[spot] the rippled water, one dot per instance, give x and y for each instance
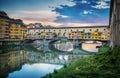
(41, 59)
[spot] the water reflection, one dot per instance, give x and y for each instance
(30, 62)
(64, 46)
(36, 70)
(91, 46)
(68, 46)
(11, 61)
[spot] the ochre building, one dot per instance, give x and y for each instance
(90, 32)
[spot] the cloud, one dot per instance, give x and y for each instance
(63, 16)
(39, 14)
(85, 2)
(87, 12)
(64, 12)
(84, 14)
(42, 16)
(42, 21)
(31, 12)
(101, 5)
(58, 3)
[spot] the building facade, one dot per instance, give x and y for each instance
(4, 25)
(11, 29)
(91, 32)
(115, 23)
(18, 31)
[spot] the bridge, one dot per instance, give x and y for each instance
(59, 38)
(50, 40)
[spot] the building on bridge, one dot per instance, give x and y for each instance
(115, 23)
(91, 32)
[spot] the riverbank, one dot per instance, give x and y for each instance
(104, 64)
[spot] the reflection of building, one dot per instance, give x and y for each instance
(91, 32)
(115, 23)
(11, 61)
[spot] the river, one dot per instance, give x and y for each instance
(41, 58)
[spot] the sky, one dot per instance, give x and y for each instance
(59, 13)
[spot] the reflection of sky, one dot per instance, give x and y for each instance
(34, 70)
(64, 46)
(90, 47)
(61, 57)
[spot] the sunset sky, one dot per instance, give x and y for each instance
(59, 12)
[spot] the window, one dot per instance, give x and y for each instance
(97, 29)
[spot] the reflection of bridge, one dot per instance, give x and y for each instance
(58, 38)
(51, 58)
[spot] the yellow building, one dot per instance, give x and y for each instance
(4, 26)
(11, 29)
(96, 35)
(82, 34)
(43, 34)
(24, 32)
(17, 30)
(70, 36)
(73, 34)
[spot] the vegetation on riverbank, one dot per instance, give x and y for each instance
(104, 64)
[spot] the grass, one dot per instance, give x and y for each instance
(66, 70)
(104, 64)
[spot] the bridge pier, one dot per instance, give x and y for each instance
(80, 45)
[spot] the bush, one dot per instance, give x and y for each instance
(65, 66)
(55, 71)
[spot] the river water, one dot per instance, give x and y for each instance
(41, 58)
